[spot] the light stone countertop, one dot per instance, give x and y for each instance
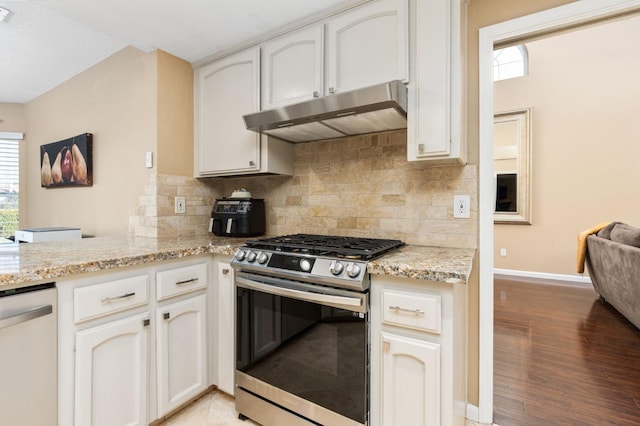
(450, 265)
(33, 263)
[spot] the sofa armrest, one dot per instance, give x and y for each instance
(614, 269)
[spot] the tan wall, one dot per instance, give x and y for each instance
(175, 116)
(482, 13)
(585, 142)
(116, 101)
(12, 118)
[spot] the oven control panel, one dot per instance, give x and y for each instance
(328, 267)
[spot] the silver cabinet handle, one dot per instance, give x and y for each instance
(411, 311)
(114, 298)
(25, 316)
(190, 280)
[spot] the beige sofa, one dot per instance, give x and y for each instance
(613, 261)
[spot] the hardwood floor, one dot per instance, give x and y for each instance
(562, 357)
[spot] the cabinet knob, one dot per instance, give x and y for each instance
(225, 271)
(166, 315)
(332, 90)
(316, 94)
(146, 322)
(421, 147)
(252, 163)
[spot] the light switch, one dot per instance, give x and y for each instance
(149, 159)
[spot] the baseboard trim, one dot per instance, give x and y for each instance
(473, 412)
(572, 280)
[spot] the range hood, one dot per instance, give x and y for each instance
(371, 109)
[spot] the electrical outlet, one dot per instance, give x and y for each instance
(503, 252)
(461, 206)
(181, 205)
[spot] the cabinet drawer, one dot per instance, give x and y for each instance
(181, 280)
(112, 296)
(412, 310)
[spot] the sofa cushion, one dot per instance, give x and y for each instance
(606, 231)
(625, 234)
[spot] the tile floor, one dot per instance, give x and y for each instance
(217, 409)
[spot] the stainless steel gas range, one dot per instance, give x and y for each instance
(302, 329)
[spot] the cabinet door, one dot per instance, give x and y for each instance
(227, 89)
(111, 373)
(367, 45)
(292, 67)
(410, 381)
(435, 92)
(181, 352)
(226, 330)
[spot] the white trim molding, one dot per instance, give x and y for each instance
(564, 279)
(537, 24)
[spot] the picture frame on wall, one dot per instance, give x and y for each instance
(68, 162)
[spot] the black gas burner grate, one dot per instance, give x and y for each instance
(323, 245)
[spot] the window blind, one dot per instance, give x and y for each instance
(9, 186)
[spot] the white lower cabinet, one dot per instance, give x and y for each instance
(410, 381)
(418, 352)
(181, 352)
(111, 373)
(133, 344)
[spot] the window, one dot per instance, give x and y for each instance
(9, 182)
(510, 62)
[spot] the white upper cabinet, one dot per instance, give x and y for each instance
(435, 107)
(367, 45)
(227, 89)
(292, 67)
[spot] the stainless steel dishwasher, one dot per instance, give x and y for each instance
(28, 356)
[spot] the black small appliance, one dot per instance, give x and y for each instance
(238, 217)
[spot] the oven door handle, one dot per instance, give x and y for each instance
(299, 294)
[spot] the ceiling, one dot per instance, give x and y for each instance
(45, 42)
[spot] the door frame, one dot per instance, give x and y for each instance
(537, 24)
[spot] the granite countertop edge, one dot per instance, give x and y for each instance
(25, 264)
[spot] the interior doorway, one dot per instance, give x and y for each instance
(549, 21)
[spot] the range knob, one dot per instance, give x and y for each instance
(240, 254)
(251, 256)
(305, 265)
(262, 258)
(336, 267)
(353, 270)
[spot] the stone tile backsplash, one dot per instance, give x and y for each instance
(364, 186)
(359, 186)
(155, 214)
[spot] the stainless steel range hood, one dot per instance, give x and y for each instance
(371, 109)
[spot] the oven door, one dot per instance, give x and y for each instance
(302, 347)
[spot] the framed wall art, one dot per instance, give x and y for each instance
(68, 162)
